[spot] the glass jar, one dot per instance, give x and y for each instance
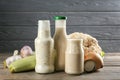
(74, 56)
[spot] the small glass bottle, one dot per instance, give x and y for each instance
(74, 56)
(60, 39)
(44, 46)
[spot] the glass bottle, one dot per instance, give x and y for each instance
(60, 38)
(44, 46)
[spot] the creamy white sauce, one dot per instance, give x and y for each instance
(60, 46)
(74, 57)
(44, 49)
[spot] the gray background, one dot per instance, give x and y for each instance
(99, 18)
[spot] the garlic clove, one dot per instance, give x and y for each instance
(11, 59)
(15, 52)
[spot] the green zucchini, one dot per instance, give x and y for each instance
(24, 64)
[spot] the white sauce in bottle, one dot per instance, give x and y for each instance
(60, 39)
(74, 57)
(44, 46)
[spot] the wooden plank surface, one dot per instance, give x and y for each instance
(111, 71)
(14, 37)
(18, 28)
(30, 32)
(58, 5)
(74, 18)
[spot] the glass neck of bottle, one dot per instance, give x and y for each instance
(60, 24)
(44, 31)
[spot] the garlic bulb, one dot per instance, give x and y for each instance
(11, 59)
(26, 51)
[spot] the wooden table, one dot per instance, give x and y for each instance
(111, 71)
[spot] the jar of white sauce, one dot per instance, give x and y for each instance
(74, 56)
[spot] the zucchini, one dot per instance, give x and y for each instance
(24, 64)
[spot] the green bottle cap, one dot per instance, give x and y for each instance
(60, 17)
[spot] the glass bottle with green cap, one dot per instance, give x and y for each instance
(60, 40)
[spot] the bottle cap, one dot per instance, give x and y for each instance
(60, 17)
